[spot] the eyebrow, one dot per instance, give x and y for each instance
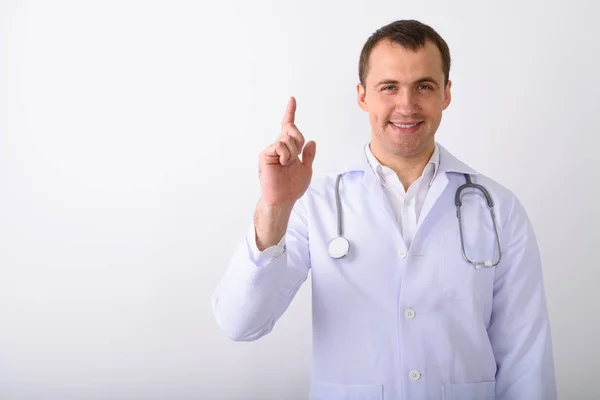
(420, 80)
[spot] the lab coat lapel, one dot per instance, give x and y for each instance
(374, 190)
(435, 191)
(448, 163)
(372, 185)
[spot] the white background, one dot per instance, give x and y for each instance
(130, 132)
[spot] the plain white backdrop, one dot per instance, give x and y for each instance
(129, 140)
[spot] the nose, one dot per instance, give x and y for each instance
(407, 102)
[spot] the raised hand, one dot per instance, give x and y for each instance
(284, 175)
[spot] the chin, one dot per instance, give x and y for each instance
(407, 148)
(402, 145)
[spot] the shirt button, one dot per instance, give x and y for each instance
(414, 375)
(409, 313)
(279, 250)
(402, 253)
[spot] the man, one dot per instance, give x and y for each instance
(423, 305)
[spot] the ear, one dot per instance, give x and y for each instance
(361, 97)
(447, 95)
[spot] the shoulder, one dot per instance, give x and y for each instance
(326, 182)
(321, 193)
(508, 209)
(323, 185)
(502, 196)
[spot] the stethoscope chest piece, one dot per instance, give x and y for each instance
(338, 247)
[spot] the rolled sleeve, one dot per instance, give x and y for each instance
(265, 257)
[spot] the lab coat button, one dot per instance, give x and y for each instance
(402, 253)
(415, 375)
(409, 313)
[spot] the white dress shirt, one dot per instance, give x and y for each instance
(406, 205)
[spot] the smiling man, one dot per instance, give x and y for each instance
(420, 290)
(404, 85)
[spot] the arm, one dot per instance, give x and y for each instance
(520, 329)
(262, 279)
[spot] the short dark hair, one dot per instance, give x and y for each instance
(411, 34)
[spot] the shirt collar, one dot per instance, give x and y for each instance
(358, 162)
(383, 173)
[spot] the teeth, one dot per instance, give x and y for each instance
(405, 126)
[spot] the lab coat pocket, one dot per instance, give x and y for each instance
(462, 281)
(332, 391)
(470, 391)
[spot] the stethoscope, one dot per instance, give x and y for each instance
(339, 246)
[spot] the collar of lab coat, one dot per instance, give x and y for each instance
(448, 163)
(382, 171)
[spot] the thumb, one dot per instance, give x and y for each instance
(308, 153)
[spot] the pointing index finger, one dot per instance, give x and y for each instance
(290, 112)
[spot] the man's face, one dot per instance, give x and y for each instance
(404, 88)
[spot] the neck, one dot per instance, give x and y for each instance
(408, 169)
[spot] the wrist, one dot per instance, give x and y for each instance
(275, 210)
(270, 223)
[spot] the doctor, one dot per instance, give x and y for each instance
(415, 307)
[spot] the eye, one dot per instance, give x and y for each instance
(388, 88)
(425, 87)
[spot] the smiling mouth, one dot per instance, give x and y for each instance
(405, 126)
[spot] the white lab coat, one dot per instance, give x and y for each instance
(391, 323)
